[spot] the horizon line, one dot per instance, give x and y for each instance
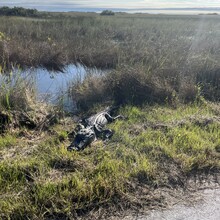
(98, 9)
(170, 8)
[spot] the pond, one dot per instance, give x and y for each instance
(52, 87)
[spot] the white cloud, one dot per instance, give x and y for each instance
(112, 3)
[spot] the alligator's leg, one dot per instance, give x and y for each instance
(73, 134)
(79, 126)
(79, 145)
(110, 118)
(107, 134)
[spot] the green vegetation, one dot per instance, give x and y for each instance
(176, 61)
(18, 11)
(162, 76)
(107, 12)
(156, 146)
(16, 93)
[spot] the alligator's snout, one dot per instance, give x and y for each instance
(83, 138)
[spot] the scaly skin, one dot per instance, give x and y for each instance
(91, 128)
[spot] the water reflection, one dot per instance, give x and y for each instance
(52, 86)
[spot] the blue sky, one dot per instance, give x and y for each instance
(129, 4)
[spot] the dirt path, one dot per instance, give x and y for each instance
(206, 208)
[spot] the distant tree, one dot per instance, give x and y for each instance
(18, 11)
(107, 12)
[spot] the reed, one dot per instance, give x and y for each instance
(153, 42)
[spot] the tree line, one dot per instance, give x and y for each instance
(18, 11)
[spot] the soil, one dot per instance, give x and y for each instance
(200, 201)
(207, 208)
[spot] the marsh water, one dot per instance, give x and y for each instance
(52, 87)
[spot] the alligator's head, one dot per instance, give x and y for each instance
(83, 138)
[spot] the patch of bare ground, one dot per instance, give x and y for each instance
(199, 196)
(142, 200)
(143, 196)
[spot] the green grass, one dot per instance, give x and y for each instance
(7, 141)
(155, 146)
(16, 92)
(152, 61)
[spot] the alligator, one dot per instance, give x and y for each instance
(89, 129)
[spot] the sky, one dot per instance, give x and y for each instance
(51, 5)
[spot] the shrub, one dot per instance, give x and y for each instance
(107, 12)
(136, 86)
(130, 86)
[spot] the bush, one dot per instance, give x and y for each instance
(107, 12)
(18, 11)
(131, 86)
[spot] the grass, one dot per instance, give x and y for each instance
(151, 44)
(156, 146)
(16, 92)
(7, 141)
(161, 75)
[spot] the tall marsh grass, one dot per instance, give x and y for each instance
(16, 92)
(187, 45)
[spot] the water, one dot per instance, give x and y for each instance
(50, 84)
(52, 87)
(175, 12)
(167, 11)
